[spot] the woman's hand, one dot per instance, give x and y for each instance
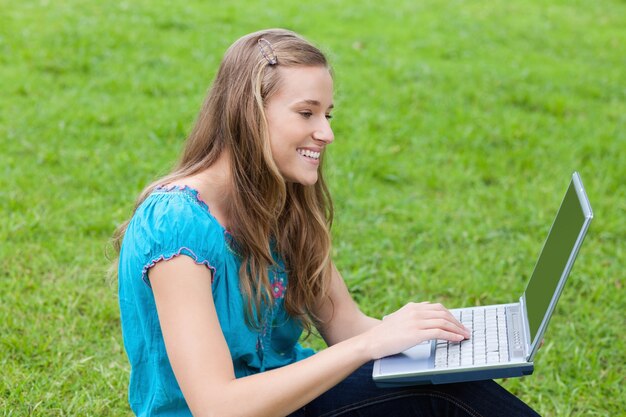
(413, 324)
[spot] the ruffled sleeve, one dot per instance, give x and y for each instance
(170, 224)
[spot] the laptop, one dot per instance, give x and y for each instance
(505, 337)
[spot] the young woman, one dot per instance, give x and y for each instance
(227, 259)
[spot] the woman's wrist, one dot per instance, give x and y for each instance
(363, 346)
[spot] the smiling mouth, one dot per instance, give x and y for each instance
(309, 154)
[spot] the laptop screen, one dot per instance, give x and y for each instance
(557, 256)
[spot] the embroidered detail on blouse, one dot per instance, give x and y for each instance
(278, 288)
(186, 251)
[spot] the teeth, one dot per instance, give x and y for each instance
(309, 154)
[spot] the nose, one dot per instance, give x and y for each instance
(324, 132)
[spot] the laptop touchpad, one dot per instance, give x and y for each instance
(413, 359)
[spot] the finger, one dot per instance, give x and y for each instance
(439, 311)
(444, 324)
(458, 323)
(441, 334)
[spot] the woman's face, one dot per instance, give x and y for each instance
(298, 115)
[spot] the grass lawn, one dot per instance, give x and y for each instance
(458, 125)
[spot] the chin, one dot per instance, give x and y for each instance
(306, 181)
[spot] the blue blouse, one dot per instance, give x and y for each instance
(171, 222)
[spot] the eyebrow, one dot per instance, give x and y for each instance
(315, 103)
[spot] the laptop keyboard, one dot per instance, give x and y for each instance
(487, 345)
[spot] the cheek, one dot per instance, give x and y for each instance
(282, 141)
(280, 154)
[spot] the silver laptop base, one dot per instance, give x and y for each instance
(525, 368)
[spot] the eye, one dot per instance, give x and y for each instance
(329, 116)
(306, 114)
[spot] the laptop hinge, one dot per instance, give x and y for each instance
(526, 327)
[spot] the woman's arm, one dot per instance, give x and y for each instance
(203, 366)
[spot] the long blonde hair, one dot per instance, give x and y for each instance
(264, 209)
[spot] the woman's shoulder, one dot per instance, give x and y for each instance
(177, 206)
(171, 218)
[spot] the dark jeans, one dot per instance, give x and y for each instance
(358, 396)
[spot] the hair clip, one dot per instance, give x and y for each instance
(267, 51)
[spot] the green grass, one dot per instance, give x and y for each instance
(457, 127)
